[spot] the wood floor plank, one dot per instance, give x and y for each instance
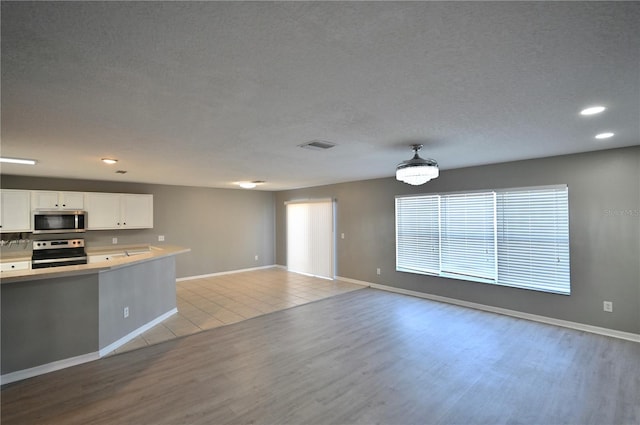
(365, 356)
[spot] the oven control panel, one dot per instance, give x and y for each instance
(60, 243)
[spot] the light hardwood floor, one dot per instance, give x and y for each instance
(362, 357)
(215, 301)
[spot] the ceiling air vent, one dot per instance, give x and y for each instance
(317, 145)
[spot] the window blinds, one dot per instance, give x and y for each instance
(310, 238)
(533, 239)
(512, 237)
(468, 235)
(418, 234)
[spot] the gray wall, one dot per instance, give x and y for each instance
(148, 289)
(605, 248)
(48, 320)
(225, 228)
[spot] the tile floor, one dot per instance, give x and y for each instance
(221, 300)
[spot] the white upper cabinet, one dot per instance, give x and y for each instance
(57, 200)
(15, 211)
(103, 210)
(136, 211)
(119, 211)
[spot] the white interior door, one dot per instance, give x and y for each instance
(310, 238)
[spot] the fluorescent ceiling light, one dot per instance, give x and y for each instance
(18, 161)
(109, 161)
(592, 110)
(604, 135)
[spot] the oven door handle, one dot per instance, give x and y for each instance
(58, 260)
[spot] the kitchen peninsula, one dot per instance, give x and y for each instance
(54, 318)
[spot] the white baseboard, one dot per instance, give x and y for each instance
(84, 358)
(224, 273)
(513, 313)
(49, 367)
(142, 329)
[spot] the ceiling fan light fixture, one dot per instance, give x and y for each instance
(417, 171)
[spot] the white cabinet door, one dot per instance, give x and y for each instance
(71, 200)
(118, 211)
(137, 211)
(15, 211)
(18, 265)
(101, 258)
(57, 200)
(44, 200)
(103, 210)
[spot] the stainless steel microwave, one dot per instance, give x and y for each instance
(56, 221)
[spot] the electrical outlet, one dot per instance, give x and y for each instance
(114, 240)
(607, 306)
(161, 238)
(378, 271)
(342, 235)
(126, 312)
(256, 258)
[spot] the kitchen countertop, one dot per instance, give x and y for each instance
(151, 252)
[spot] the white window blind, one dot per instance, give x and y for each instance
(468, 235)
(310, 238)
(418, 234)
(511, 237)
(533, 239)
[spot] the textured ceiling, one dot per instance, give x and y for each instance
(210, 93)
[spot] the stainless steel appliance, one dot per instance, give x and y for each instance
(57, 221)
(55, 253)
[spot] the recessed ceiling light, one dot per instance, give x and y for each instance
(19, 161)
(592, 110)
(109, 161)
(604, 135)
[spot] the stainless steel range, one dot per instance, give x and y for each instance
(60, 252)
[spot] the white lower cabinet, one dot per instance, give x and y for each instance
(108, 211)
(101, 258)
(18, 265)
